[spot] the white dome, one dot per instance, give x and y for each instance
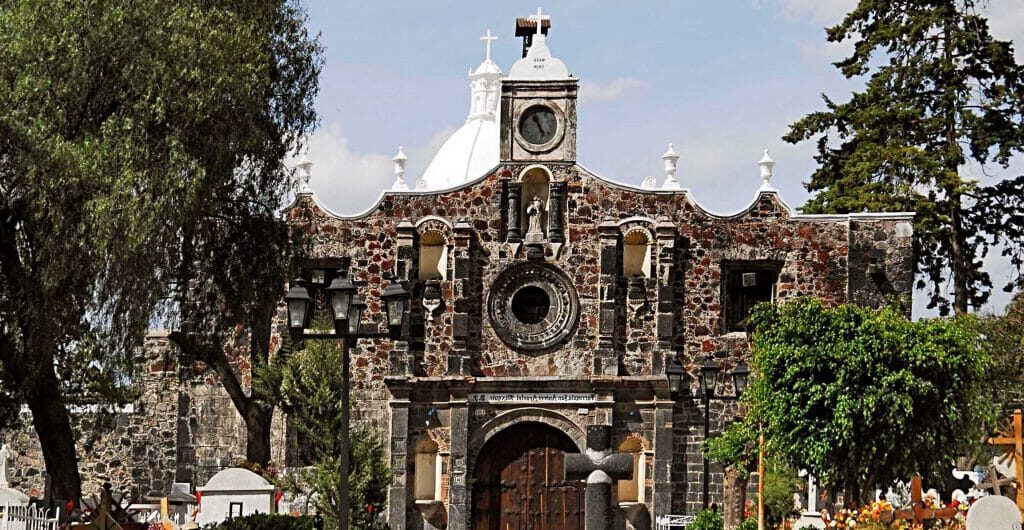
(473, 149)
(236, 479)
(466, 155)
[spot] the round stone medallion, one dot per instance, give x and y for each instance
(532, 306)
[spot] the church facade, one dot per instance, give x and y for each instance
(547, 307)
(531, 385)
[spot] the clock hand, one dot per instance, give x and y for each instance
(536, 119)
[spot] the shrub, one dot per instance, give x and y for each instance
(262, 521)
(707, 520)
(750, 523)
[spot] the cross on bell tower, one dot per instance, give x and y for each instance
(528, 27)
(488, 39)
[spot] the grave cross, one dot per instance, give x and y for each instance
(540, 18)
(1013, 440)
(995, 482)
(600, 468)
(917, 513)
(487, 39)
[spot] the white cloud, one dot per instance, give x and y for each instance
(591, 91)
(1006, 21)
(348, 181)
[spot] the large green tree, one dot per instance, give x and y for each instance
(124, 125)
(861, 397)
(1004, 340)
(942, 94)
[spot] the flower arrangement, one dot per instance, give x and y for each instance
(879, 515)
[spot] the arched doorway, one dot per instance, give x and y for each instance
(519, 481)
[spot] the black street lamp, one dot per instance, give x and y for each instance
(347, 312)
(707, 380)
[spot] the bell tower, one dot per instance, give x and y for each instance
(538, 105)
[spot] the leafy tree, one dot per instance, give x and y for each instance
(124, 125)
(862, 398)
(1004, 340)
(942, 93)
(308, 384)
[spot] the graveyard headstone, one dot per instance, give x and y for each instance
(8, 495)
(994, 512)
(234, 492)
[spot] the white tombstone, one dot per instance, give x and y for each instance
(994, 512)
(810, 516)
(8, 495)
(234, 492)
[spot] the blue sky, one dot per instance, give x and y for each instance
(720, 80)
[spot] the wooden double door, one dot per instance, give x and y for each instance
(519, 482)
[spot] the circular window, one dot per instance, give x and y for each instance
(532, 306)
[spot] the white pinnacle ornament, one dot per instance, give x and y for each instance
(767, 164)
(399, 161)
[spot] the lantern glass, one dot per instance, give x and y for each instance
(297, 313)
(297, 301)
(396, 310)
(341, 292)
(396, 300)
(355, 315)
(708, 376)
(674, 372)
(340, 303)
(740, 378)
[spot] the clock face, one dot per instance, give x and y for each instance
(538, 124)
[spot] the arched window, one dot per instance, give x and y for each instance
(427, 471)
(535, 186)
(632, 490)
(636, 254)
(433, 256)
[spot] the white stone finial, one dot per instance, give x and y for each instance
(767, 164)
(399, 161)
(540, 17)
(671, 158)
(487, 39)
(305, 167)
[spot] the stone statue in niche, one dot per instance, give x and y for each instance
(535, 228)
(5, 455)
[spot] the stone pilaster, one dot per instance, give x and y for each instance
(665, 312)
(663, 443)
(556, 212)
(513, 194)
(462, 287)
(605, 360)
(458, 489)
(398, 492)
(401, 362)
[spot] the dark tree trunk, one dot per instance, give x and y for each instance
(53, 426)
(735, 497)
(257, 433)
(960, 273)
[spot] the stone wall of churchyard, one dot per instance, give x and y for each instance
(182, 428)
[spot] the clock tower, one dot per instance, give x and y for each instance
(538, 105)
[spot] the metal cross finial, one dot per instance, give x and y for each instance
(487, 39)
(540, 17)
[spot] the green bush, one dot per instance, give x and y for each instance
(750, 523)
(707, 520)
(262, 521)
(780, 484)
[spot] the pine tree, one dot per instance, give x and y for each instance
(942, 93)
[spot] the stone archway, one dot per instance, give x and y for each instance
(519, 480)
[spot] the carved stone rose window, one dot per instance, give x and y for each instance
(532, 306)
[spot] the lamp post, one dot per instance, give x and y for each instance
(706, 382)
(346, 309)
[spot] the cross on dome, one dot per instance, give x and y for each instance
(540, 17)
(487, 39)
